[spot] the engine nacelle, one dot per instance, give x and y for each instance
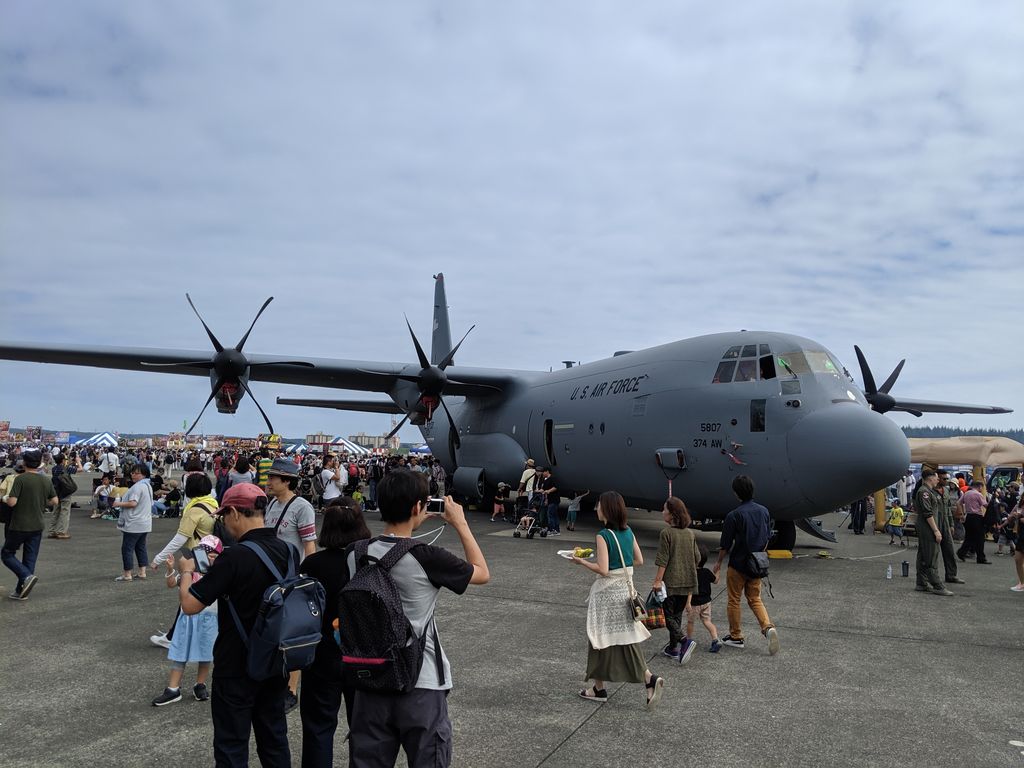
(469, 482)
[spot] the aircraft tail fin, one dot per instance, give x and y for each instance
(441, 337)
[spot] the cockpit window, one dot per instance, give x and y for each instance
(807, 361)
(746, 371)
(765, 350)
(749, 350)
(724, 373)
(767, 365)
(732, 352)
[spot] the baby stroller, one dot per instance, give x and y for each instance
(529, 522)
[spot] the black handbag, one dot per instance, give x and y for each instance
(757, 565)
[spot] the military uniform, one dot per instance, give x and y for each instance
(928, 504)
(949, 498)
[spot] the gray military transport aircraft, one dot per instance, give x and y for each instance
(685, 416)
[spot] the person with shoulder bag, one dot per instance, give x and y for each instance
(614, 630)
(745, 535)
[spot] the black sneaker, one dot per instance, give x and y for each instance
(201, 692)
(169, 696)
(291, 701)
(733, 643)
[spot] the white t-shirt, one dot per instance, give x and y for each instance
(529, 478)
(331, 488)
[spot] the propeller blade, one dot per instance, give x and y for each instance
(424, 360)
(257, 404)
(455, 432)
(303, 363)
(193, 364)
(892, 378)
(213, 393)
(216, 344)
(450, 357)
(916, 413)
(394, 431)
(865, 372)
(244, 338)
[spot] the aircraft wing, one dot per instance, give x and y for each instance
(362, 375)
(917, 407)
(362, 406)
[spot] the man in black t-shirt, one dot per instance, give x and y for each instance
(239, 703)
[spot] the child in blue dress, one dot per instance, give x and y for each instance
(194, 636)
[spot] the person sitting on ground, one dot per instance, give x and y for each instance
(102, 495)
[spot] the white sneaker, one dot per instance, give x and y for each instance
(773, 641)
(160, 640)
(1018, 588)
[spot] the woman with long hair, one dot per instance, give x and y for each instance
(677, 571)
(613, 635)
(323, 684)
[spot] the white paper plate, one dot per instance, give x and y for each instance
(567, 554)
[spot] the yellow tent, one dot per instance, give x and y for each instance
(974, 450)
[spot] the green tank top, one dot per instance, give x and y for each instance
(625, 541)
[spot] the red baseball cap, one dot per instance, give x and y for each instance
(241, 495)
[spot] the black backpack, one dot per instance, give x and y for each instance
(378, 645)
(64, 485)
(288, 623)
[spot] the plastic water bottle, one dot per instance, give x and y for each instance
(888, 572)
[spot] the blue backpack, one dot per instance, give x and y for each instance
(288, 624)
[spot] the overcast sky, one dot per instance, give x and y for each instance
(589, 177)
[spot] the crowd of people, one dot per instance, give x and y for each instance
(242, 519)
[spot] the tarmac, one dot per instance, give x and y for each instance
(871, 673)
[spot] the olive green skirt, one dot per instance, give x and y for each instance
(616, 664)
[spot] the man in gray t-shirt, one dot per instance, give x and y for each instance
(417, 721)
(291, 516)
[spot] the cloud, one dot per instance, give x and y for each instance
(588, 179)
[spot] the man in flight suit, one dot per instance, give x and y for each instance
(950, 495)
(930, 508)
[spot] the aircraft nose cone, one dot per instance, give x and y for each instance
(845, 452)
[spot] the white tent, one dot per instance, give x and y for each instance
(101, 439)
(349, 447)
(297, 448)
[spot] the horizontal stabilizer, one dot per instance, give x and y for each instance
(364, 406)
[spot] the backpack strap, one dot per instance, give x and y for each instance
(283, 513)
(398, 550)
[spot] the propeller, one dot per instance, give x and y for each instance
(431, 381)
(229, 365)
(879, 397)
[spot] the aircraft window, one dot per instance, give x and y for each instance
(750, 350)
(767, 367)
(791, 387)
(549, 447)
(747, 371)
(765, 349)
(724, 373)
(820, 362)
(731, 353)
(757, 415)
(793, 363)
